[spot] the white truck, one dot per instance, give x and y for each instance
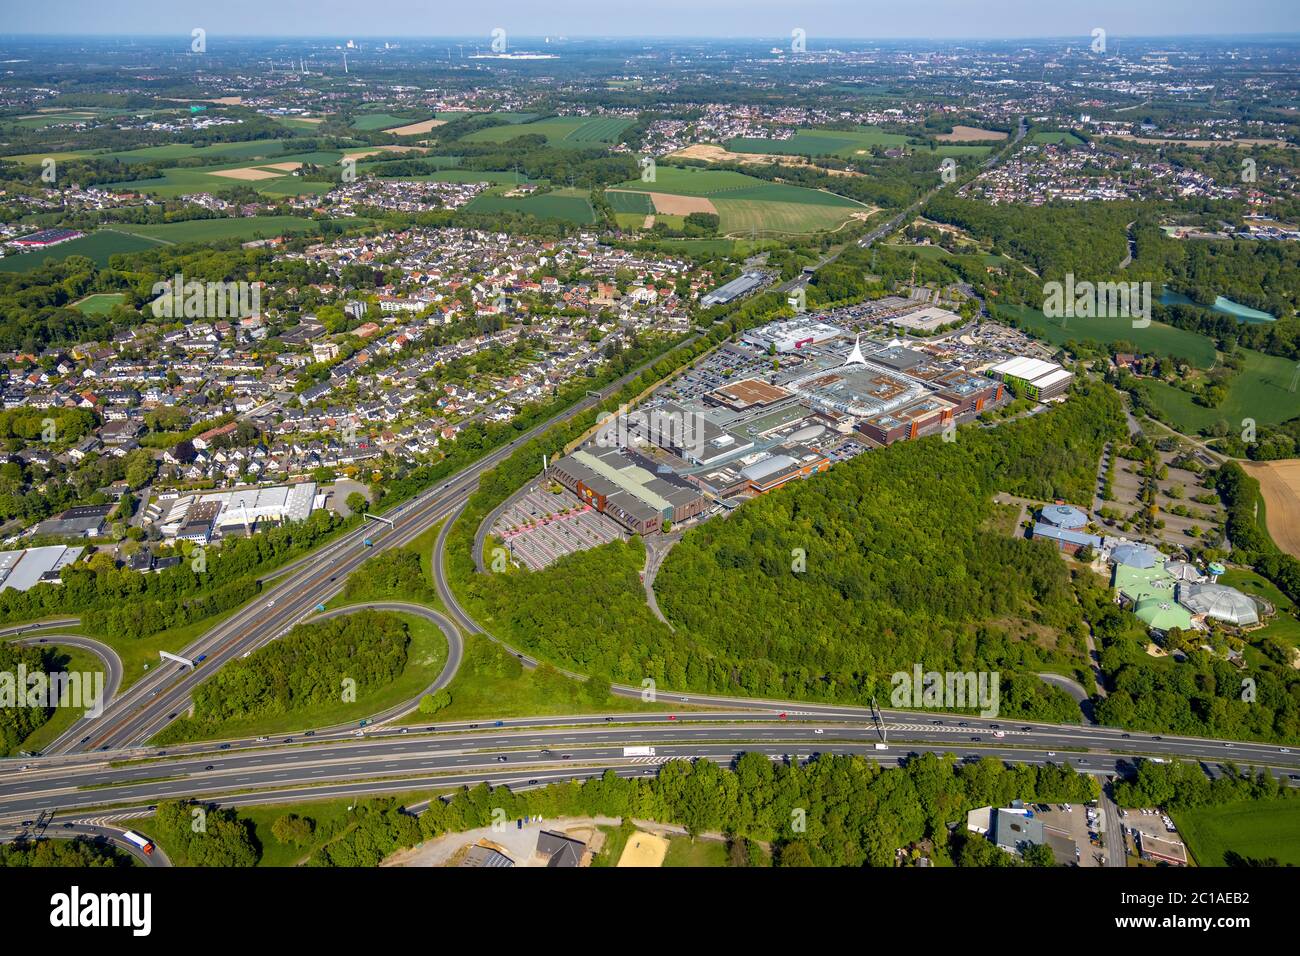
(882, 746)
(638, 751)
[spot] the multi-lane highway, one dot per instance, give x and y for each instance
(409, 758)
(160, 697)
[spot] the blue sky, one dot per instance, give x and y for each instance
(661, 18)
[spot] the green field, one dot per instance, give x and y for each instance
(467, 176)
(821, 142)
(368, 122)
(575, 131)
(100, 303)
(746, 204)
(1058, 137)
(572, 205)
(272, 149)
(1155, 339)
(208, 230)
(179, 181)
(1258, 829)
(638, 203)
(1261, 390)
(97, 247)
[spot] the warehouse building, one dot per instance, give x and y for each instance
(733, 290)
(1033, 378)
(791, 335)
(21, 570)
(624, 485)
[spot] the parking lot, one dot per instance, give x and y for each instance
(1081, 823)
(539, 527)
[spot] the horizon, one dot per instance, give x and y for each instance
(835, 20)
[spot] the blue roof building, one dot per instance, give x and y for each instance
(1064, 516)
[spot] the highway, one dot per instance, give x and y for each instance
(154, 701)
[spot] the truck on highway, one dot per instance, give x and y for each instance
(638, 751)
(882, 746)
(130, 836)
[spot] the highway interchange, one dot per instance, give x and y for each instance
(106, 763)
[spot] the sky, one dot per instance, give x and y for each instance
(937, 19)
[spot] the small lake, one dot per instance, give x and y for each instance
(1221, 305)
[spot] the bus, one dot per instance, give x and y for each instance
(134, 838)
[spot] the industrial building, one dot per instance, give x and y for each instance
(201, 517)
(1033, 378)
(24, 569)
(791, 335)
(927, 415)
(628, 487)
(730, 291)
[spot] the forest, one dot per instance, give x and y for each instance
(856, 812)
(312, 664)
(899, 569)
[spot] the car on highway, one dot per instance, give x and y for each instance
(404, 730)
(171, 716)
(499, 723)
(999, 733)
(1285, 750)
(224, 747)
(977, 739)
(502, 758)
(262, 739)
(1051, 753)
(609, 720)
(1125, 736)
(672, 716)
(532, 782)
(201, 658)
(208, 767)
(310, 733)
(647, 772)
(566, 756)
(270, 604)
(85, 740)
(288, 740)
(819, 731)
(938, 722)
(781, 715)
(67, 826)
(358, 733)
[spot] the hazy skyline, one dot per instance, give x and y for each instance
(824, 19)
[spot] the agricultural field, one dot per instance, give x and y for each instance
(821, 142)
(1262, 390)
(1057, 137)
(574, 131)
(744, 204)
(1257, 829)
(270, 149)
(272, 177)
(1279, 484)
(496, 177)
(572, 205)
(98, 247)
(1155, 339)
(209, 230)
(369, 122)
(99, 303)
(630, 202)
